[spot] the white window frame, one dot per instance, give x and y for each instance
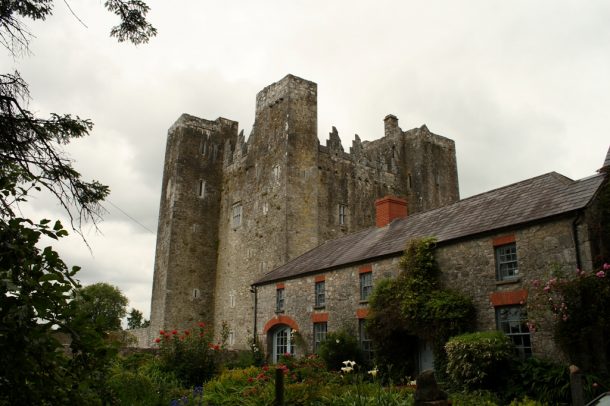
(507, 263)
(366, 285)
(280, 299)
(320, 293)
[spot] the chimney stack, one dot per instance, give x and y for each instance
(389, 208)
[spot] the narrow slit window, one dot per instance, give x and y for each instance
(201, 189)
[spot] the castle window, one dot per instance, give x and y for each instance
(512, 321)
(232, 299)
(276, 173)
(279, 300)
(366, 285)
(342, 214)
(506, 262)
(319, 335)
(365, 341)
(231, 338)
(201, 189)
(236, 214)
(196, 294)
(320, 294)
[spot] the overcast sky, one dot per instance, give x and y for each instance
(523, 87)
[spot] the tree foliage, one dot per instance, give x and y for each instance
(135, 319)
(37, 289)
(414, 307)
(102, 305)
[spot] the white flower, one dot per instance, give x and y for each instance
(337, 341)
(373, 372)
(347, 370)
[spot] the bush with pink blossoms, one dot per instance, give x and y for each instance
(579, 310)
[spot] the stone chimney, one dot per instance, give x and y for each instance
(390, 125)
(389, 208)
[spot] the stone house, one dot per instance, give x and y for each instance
(490, 247)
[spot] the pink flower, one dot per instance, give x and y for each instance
(606, 266)
(600, 274)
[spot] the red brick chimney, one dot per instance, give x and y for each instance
(388, 209)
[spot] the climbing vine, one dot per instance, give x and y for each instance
(415, 307)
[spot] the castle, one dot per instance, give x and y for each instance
(232, 209)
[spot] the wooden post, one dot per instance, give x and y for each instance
(578, 398)
(279, 387)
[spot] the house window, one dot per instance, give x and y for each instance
(365, 341)
(342, 214)
(320, 295)
(366, 285)
(279, 300)
(236, 214)
(319, 335)
(201, 189)
(512, 321)
(506, 262)
(231, 338)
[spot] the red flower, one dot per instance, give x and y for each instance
(250, 379)
(186, 332)
(157, 340)
(216, 347)
(162, 332)
(265, 367)
(174, 332)
(201, 324)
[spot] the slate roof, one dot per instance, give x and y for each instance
(533, 199)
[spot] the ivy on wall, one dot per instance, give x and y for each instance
(415, 307)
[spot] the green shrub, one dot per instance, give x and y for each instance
(190, 354)
(541, 380)
(474, 398)
(338, 347)
(479, 360)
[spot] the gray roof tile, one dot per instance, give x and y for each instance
(530, 200)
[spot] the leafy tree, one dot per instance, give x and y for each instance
(102, 305)
(135, 319)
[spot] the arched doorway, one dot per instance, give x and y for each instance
(281, 342)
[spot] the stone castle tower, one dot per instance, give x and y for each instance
(232, 210)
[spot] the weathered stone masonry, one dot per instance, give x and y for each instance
(234, 209)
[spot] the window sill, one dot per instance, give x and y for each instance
(365, 302)
(279, 311)
(321, 307)
(508, 281)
